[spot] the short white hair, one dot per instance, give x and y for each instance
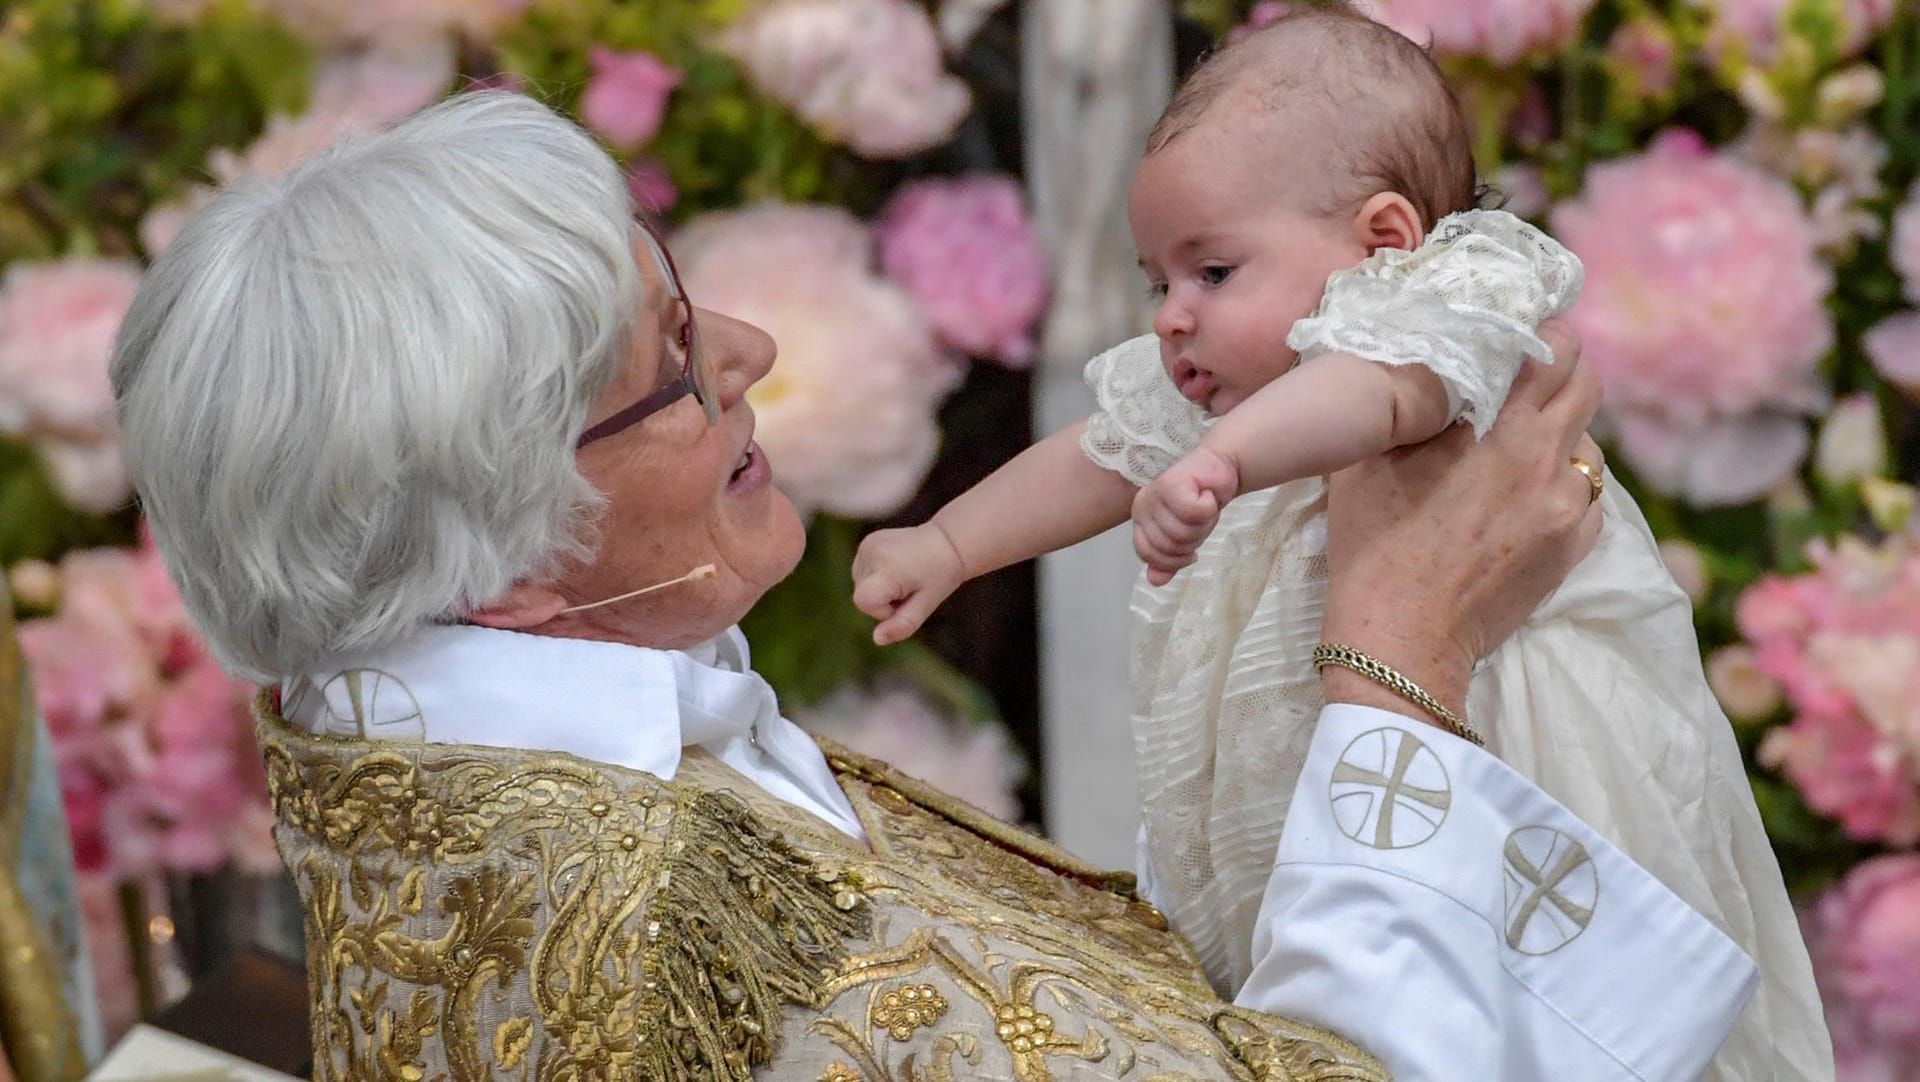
(350, 396)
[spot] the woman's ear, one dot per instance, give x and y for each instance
(1388, 220)
(522, 606)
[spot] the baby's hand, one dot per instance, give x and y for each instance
(1174, 514)
(901, 576)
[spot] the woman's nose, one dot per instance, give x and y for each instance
(740, 354)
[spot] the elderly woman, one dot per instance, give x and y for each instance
(438, 449)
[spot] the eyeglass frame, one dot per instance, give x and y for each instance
(687, 382)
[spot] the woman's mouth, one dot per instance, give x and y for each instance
(751, 472)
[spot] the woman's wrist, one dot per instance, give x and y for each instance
(1439, 668)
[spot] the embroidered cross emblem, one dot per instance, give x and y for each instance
(1552, 888)
(1389, 791)
(357, 702)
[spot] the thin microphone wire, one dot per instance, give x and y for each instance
(704, 571)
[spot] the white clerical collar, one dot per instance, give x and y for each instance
(628, 706)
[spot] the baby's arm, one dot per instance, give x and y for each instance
(1323, 416)
(1050, 496)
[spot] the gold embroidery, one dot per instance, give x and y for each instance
(684, 981)
(905, 1009)
(480, 913)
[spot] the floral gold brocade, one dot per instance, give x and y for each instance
(480, 913)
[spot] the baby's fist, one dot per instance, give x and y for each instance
(1174, 514)
(901, 576)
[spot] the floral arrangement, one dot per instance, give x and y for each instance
(1742, 180)
(832, 141)
(1741, 177)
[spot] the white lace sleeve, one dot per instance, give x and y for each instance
(1465, 304)
(1143, 424)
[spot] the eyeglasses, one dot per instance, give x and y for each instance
(680, 347)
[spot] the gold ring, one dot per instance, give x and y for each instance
(1595, 480)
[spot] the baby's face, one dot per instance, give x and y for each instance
(1231, 259)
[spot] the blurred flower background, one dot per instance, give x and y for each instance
(1742, 178)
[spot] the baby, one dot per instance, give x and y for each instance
(1327, 292)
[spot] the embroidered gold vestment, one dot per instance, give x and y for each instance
(482, 913)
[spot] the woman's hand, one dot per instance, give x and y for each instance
(1438, 552)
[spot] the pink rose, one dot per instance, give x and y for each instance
(1503, 31)
(1264, 14)
(966, 252)
(847, 415)
(1704, 314)
(626, 97)
(866, 73)
(650, 186)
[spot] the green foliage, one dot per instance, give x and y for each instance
(809, 640)
(106, 109)
(35, 523)
(724, 143)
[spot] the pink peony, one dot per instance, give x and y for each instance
(1503, 31)
(972, 761)
(57, 322)
(847, 414)
(1867, 935)
(1893, 345)
(1843, 644)
(1704, 314)
(626, 99)
(1905, 252)
(1751, 30)
(966, 252)
(866, 73)
(152, 740)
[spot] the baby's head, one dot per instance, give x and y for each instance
(1290, 154)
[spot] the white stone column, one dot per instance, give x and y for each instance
(1094, 74)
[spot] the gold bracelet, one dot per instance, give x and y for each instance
(1380, 673)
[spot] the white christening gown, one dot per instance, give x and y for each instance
(1599, 698)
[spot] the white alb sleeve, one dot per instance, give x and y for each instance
(1443, 913)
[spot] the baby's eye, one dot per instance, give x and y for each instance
(1214, 276)
(1156, 290)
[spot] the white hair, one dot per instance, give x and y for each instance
(350, 396)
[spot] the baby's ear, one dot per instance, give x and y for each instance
(1388, 220)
